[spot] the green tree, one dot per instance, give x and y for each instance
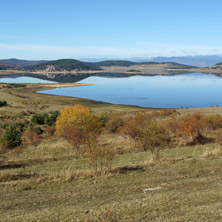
(11, 137)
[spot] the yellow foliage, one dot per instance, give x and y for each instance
(78, 125)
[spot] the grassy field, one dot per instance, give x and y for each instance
(49, 182)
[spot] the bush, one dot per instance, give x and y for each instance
(213, 122)
(219, 138)
(154, 138)
(3, 103)
(20, 126)
(11, 137)
(114, 123)
(32, 136)
(45, 118)
(104, 118)
(100, 158)
(188, 127)
(133, 126)
(78, 125)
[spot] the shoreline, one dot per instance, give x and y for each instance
(139, 70)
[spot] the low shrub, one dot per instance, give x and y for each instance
(134, 125)
(213, 122)
(113, 124)
(45, 118)
(11, 137)
(3, 103)
(32, 136)
(100, 158)
(154, 137)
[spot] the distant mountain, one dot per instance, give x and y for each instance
(200, 61)
(17, 63)
(62, 65)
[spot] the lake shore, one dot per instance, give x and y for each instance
(151, 69)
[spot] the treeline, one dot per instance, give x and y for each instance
(2, 67)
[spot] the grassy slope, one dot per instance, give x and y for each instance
(191, 188)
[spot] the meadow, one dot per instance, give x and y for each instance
(45, 179)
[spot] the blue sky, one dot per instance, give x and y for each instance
(53, 29)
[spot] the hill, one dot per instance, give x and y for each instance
(62, 65)
(174, 65)
(127, 63)
(76, 65)
(115, 63)
(200, 61)
(219, 64)
(17, 63)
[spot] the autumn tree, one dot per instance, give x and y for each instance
(78, 125)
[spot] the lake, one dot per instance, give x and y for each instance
(22, 79)
(191, 90)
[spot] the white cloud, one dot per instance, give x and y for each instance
(140, 49)
(161, 49)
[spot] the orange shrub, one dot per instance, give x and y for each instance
(133, 126)
(191, 125)
(188, 127)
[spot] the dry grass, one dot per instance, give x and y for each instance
(216, 151)
(66, 190)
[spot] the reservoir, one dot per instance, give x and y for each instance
(192, 90)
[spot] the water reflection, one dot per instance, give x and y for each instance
(187, 90)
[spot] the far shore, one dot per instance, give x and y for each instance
(130, 70)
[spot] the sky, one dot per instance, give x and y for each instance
(55, 29)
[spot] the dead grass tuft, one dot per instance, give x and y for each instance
(217, 151)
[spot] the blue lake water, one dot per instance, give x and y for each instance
(22, 79)
(191, 90)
